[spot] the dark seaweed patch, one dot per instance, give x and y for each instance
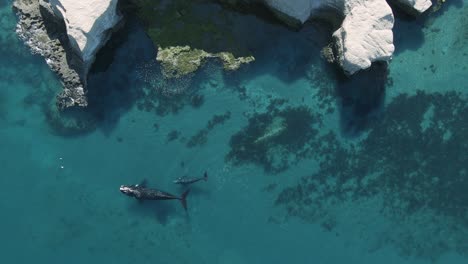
(275, 139)
(201, 137)
(173, 135)
(417, 156)
(197, 100)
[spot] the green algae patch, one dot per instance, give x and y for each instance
(180, 61)
(189, 32)
(232, 63)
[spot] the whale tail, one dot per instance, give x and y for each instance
(205, 176)
(183, 199)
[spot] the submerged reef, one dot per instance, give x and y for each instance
(7, 36)
(414, 162)
(201, 137)
(70, 121)
(164, 96)
(173, 135)
(276, 139)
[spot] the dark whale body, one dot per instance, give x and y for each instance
(141, 193)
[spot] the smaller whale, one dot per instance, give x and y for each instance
(187, 180)
(141, 193)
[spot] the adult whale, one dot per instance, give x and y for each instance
(141, 193)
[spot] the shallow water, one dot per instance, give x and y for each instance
(368, 170)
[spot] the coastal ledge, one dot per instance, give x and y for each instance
(365, 32)
(46, 36)
(70, 33)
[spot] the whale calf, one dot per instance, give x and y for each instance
(187, 180)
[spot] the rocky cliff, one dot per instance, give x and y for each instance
(89, 24)
(365, 33)
(69, 33)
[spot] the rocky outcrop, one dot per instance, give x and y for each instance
(68, 34)
(179, 61)
(89, 24)
(45, 35)
(414, 6)
(365, 32)
(365, 35)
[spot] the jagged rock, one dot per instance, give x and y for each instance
(45, 35)
(365, 35)
(68, 34)
(414, 6)
(327, 53)
(89, 24)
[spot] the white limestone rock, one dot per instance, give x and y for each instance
(415, 6)
(365, 35)
(89, 24)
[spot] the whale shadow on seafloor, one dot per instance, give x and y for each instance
(161, 211)
(196, 189)
(361, 98)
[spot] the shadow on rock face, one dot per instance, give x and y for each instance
(407, 31)
(361, 98)
(113, 86)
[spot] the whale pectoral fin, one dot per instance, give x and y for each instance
(143, 183)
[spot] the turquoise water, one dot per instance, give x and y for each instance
(368, 170)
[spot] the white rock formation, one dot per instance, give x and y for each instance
(366, 33)
(419, 6)
(88, 24)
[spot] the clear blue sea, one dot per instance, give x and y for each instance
(304, 165)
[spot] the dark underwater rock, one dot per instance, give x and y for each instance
(46, 36)
(71, 121)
